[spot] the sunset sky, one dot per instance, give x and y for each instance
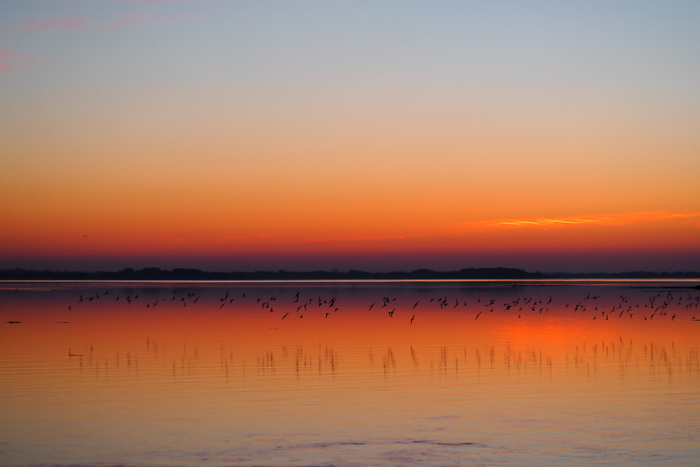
(240, 135)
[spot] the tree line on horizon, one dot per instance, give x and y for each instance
(155, 273)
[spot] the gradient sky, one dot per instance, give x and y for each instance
(366, 134)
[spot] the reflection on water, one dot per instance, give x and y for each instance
(391, 373)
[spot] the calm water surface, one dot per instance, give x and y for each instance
(457, 373)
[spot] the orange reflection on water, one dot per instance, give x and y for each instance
(197, 369)
(110, 338)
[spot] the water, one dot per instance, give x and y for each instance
(199, 374)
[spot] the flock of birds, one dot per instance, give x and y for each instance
(656, 305)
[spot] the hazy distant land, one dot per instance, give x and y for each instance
(418, 274)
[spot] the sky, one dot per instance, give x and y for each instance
(375, 135)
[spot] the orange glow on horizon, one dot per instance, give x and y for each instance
(102, 236)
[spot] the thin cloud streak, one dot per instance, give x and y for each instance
(473, 227)
(62, 23)
(81, 23)
(607, 219)
(10, 60)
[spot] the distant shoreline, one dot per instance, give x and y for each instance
(183, 274)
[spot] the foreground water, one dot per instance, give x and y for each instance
(454, 373)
